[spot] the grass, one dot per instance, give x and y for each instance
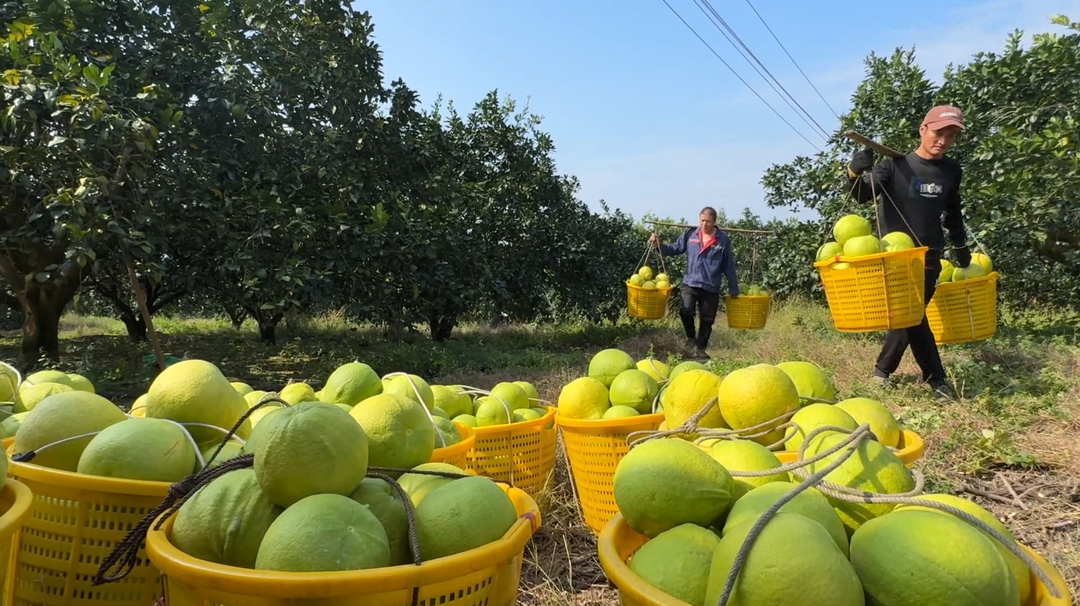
(1013, 432)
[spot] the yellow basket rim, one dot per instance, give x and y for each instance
(81, 481)
(911, 252)
(630, 584)
(728, 297)
(173, 562)
(22, 501)
(454, 450)
(607, 423)
(910, 449)
(484, 432)
(660, 290)
(947, 286)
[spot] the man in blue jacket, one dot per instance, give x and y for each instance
(708, 258)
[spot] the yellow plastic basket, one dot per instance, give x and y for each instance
(77, 520)
(910, 449)
(595, 448)
(747, 311)
(16, 503)
(964, 311)
(618, 543)
(647, 303)
(456, 454)
(519, 454)
(485, 576)
(875, 292)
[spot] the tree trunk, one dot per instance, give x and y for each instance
(441, 327)
(267, 324)
(136, 327)
(41, 327)
(237, 315)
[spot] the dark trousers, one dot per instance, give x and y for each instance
(694, 299)
(920, 337)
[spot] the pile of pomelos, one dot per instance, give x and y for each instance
(645, 278)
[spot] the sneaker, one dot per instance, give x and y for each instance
(942, 390)
(882, 379)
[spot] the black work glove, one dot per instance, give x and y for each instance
(963, 257)
(862, 161)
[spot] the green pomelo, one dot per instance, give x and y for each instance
(687, 394)
(7, 385)
(984, 260)
(514, 396)
(80, 383)
(453, 402)
(491, 411)
(634, 388)
(468, 420)
(11, 424)
(1019, 569)
(809, 503)
(881, 421)
(828, 251)
(295, 393)
(412, 387)
(324, 533)
(241, 387)
(793, 561)
(685, 366)
(677, 562)
(813, 416)
(231, 450)
(261, 412)
(463, 515)
(419, 485)
(744, 455)
(31, 395)
(195, 391)
(437, 412)
(620, 412)
(48, 376)
(753, 395)
(973, 270)
(543, 412)
(950, 561)
(344, 407)
(862, 246)
(445, 429)
(399, 432)
(351, 384)
(140, 449)
(809, 379)
(584, 398)
(850, 226)
(872, 468)
(61, 416)
(667, 482)
(896, 241)
(527, 414)
(654, 368)
(311, 448)
(253, 397)
(385, 502)
(530, 391)
(608, 363)
(224, 522)
(946, 272)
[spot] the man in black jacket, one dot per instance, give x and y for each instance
(919, 194)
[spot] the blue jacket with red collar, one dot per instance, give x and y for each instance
(704, 267)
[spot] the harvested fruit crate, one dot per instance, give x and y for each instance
(875, 292)
(749, 312)
(519, 454)
(647, 303)
(485, 576)
(456, 454)
(16, 503)
(964, 311)
(595, 448)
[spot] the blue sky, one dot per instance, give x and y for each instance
(641, 112)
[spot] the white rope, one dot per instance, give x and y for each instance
(420, 399)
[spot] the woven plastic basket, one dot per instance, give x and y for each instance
(618, 543)
(875, 292)
(456, 454)
(595, 448)
(747, 311)
(77, 520)
(964, 311)
(519, 454)
(485, 576)
(16, 503)
(647, 303)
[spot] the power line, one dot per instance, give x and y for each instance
(690, 27)
(731, 30)
(701, 6)
(822, 97)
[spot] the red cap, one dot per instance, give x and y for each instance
(944, 115)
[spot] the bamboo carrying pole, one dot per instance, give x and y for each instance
(729, 229)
